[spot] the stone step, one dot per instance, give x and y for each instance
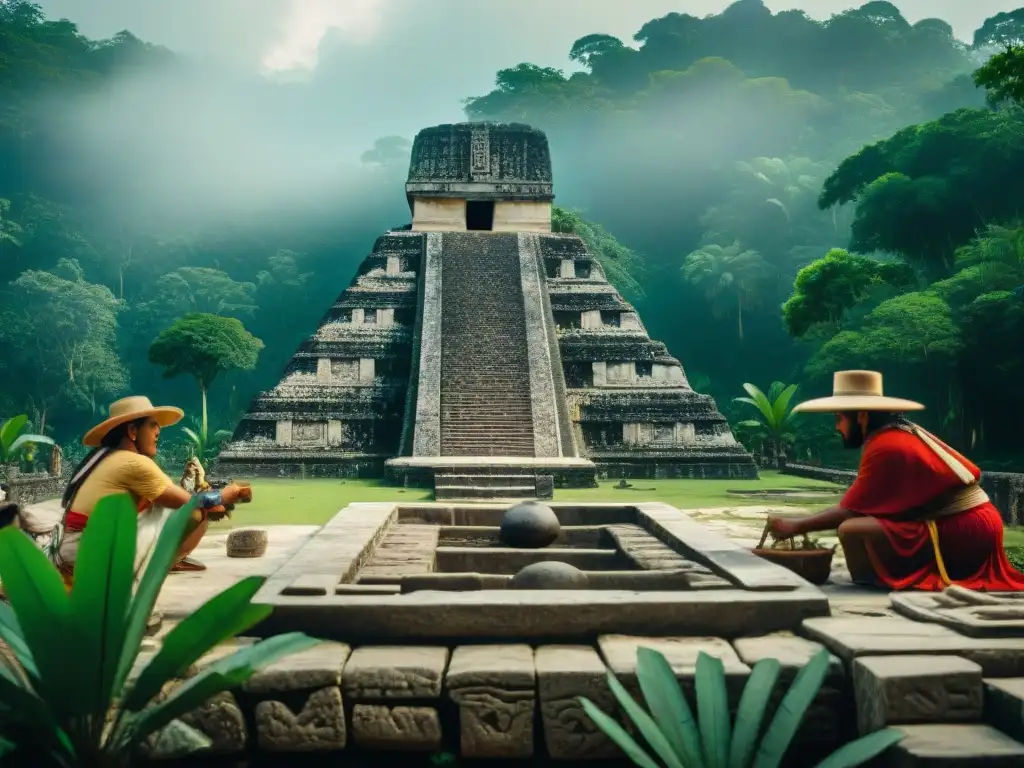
(1004, 705)
(949, 744)
(448, 492)
(492, 480)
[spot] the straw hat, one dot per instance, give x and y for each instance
(857, 391)
(129, 409)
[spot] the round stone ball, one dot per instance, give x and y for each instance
(550, 576)
(529, 525)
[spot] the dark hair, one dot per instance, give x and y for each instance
(878, 419)
(109, 443)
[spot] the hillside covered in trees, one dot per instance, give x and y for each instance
(780, 196)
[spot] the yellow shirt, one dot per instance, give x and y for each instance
(120, 472)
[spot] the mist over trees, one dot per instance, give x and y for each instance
(780, 196)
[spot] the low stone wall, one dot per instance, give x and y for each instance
(25, 489)
(654, 468)
(1006, 489)
(511, 701)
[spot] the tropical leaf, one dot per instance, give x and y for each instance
(618, 734)
(792, 710)
(9, 431)
(751, 712)
(647, 727)
(219, 676)
(37, 595)
(10, 633)
(780, 405)
(101, 596)
(713, 710)
(220, 618)
(22, 440)
(760, 402)
(665, 700)
(862, 750)
(149, 587)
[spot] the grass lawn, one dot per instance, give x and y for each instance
(314, 502)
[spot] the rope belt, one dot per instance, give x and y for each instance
(961, 500)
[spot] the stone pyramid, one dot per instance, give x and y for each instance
(480, 352)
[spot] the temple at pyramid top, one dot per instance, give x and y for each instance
(479, 352)
(480, 177)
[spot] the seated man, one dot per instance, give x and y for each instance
(122, 462)
(915, 517)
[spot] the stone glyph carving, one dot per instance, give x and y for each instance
(318, 727)
(376, 726)
(493, 687)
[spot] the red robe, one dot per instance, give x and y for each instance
(899, 472)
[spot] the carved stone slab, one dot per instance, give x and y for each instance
(376, 726)
(318, 727)
(493, 686)
(317, 667)
(998, 616)
(395, 672)
(892, 690)
(563, 673)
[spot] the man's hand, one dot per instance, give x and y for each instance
(232, 494)
(783, 527)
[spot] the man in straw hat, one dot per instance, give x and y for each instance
(121, 461)
(915, 517)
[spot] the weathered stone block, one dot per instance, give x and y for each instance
(563, 673)
(792, 652)
(315, 668)
(915, 689)
(318, 727)
(220, 718)
(850, 637)
(395, 672)
(954, 746)
(396, 728)
(1004, 705)
(619, 653)
(493, 686)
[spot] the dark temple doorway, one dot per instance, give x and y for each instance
(480, 215)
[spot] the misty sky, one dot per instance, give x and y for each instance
(398, 65)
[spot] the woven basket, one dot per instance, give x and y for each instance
(814, 565)
(247, 542)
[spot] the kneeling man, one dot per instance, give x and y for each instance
(915, 517)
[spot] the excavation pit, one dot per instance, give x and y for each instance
(384, 572)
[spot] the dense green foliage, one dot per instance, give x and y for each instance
(712, 738)
(96, 713)
(736, 164)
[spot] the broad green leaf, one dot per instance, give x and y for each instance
(760, 402)
(219, 676)
(22, 440)
(152, 580)
(9, 431)
(222, 617)
(780, 406)
(713, 710)
(792, 710)
(618, 734)
(751, 424)
(101, 596)
(10, 633)
(647, 727)
(668, 706)
(862, 750)
(751, 712)
(37, 595)
(192, 436)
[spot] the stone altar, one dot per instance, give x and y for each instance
(481, 353)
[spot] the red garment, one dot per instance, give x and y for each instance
(899, 472)
(75, 521)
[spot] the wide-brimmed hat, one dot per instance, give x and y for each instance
(129, 409)
(857, 391)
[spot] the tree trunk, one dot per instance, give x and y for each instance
(202, 388)
(739, 314)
